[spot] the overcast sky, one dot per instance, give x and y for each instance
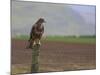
(61, 19)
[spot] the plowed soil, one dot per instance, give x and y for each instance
(56, 56)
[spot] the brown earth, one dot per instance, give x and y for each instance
(55, 56)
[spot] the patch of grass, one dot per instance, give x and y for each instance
(86, 40)
(21, 37)
(20, 69)
(66, 39)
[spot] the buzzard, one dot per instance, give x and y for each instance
(36, 33)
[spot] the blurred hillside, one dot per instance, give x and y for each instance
(61, 19)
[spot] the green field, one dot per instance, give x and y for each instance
(66, 39)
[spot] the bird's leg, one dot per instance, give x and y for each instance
(38, 41)
(34, 43)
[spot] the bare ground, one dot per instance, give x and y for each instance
(54, 56)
